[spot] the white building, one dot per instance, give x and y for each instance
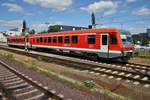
(14, 32)
(3, 38)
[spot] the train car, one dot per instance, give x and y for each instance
(93, 43)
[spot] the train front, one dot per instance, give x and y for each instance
(127, 44)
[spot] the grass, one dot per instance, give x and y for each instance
(144, 54)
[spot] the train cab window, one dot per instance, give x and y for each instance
(45, 40)
(67, 39)
(60, 39)
(104, 40)
(49, 39)
(74, 39)
(91, 39)
(41, 39)
(54, 39)
(113, 39)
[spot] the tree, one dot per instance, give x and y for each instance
(145, 42)
(32, 31)
(5, 34)
(53, 28)
(44, 31)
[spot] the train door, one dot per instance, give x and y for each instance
(104, 44)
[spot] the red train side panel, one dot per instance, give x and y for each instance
(106, 43)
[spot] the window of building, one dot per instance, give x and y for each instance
(49, 39)
(67, 39)
(73, 29)
(54, 39)
(74, 39)
(104, 39)
(45, 39)
(113, 39)
(60, 39)
(61, 28)
(91, 39)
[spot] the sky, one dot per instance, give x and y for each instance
(132, 15)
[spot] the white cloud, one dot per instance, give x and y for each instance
(44, 26)
(12, 7)
(138, 27)
(142, 11)
(39, 26)
(130, 1)
(60, 5)
(108, 6)
(11, 23)
(58, 23)
(110, 12)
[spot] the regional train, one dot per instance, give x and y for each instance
(106, 43)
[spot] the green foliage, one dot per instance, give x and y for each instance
(32, 31)
(136, 53)
(54, 29)
(44, 32)
(144, 54)
(145, 42)
(89, 83)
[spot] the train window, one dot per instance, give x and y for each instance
(74, 39)
(91, 39)
(67, 39)
(60, 39)
(54, 39)
(41, 39)
(21, 40)
(113, 39)
(37, 40)
(104, 39)
(45, 39)
(49, 39)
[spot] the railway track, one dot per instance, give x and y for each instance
(119, 74)
(17, 86)
(137, 74)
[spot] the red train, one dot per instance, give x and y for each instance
(94, 43)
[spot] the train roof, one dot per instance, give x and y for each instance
(78, 31)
